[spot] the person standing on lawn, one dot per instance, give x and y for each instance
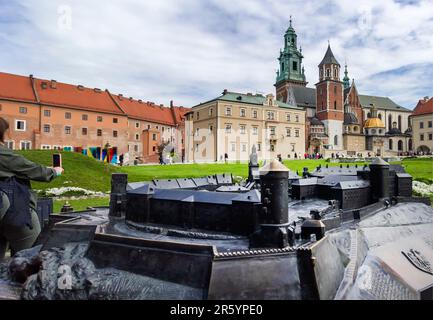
(19, 223)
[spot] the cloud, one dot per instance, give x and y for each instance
(190, 50)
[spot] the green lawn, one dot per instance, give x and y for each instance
(82, 204)
(80, 171)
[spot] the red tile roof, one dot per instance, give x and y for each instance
(16, 87)
(68, 95)
(60, 94)
(144, 110)
(424, 107)
(179, 114)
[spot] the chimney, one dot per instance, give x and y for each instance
(97, 90)
(171, 103)
(225, 92)
(120, 96)
(53, 84)
(426, 98)
(140, 101)
(131, 98)
(80, 87)
(44, 84)
(31, 76)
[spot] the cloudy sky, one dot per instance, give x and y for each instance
(190, 50)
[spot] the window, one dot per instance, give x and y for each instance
(196, 147)
(99, 119)
(233, 147)
(297, 133)
(421, 137)
(84, 131)
(297, 118)
(255, 114)
(25, 145)
(10, 144)
(259, 147)
(84, 117)
(243, 113)
(115, 120)
(288, 132)
(57, 148)
(293, 147)
(228, 111)
(228, 128)
(335, 105)
(197, 132)
(210, 128)
(335, 89)
(336, 140)
(400, 145)
(288, 117)
(270, 115)
(295, 66)
(115, 133)
(47, 128)
(272, 129)
(255, 131)
(335, 76)
(148, 127)
(99, 133)
(137, 125)
(154, 137)
(430, 136)
(198, 115)
(244, 148)
(20, 125)
(136, 148)
(137, 136)
(47, 113)
(23, 110)
(154, 148)
(328, 73)
(390, 144)
(45, 147)
(68, 115)
(272, 148)
(210, 112)
(399, 123)
(243, 129)
(421, 125)
(430, 124)
(67, 130)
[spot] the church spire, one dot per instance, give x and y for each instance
(290, 60)
(346, 79)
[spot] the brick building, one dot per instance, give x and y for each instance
(46, 114)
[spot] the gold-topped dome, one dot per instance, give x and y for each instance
(374, 123)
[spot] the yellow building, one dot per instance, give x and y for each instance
(226, 128)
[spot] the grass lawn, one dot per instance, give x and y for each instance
(82, 204)
(80, 171)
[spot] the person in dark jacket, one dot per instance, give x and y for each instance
(19, 223)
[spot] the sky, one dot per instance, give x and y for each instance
(189, 51)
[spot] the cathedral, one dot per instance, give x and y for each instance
(339, 119)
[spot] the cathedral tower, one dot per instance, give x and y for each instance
(291, 71)
(329, 99)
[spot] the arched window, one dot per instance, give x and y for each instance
(399, 123)
(400, 145)
(380, 116)
(389, 122)
(328, 73)
(410, 145)
(335, 73)
(336, 140)
(335, 105)
(369, 115)
(390, 144)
